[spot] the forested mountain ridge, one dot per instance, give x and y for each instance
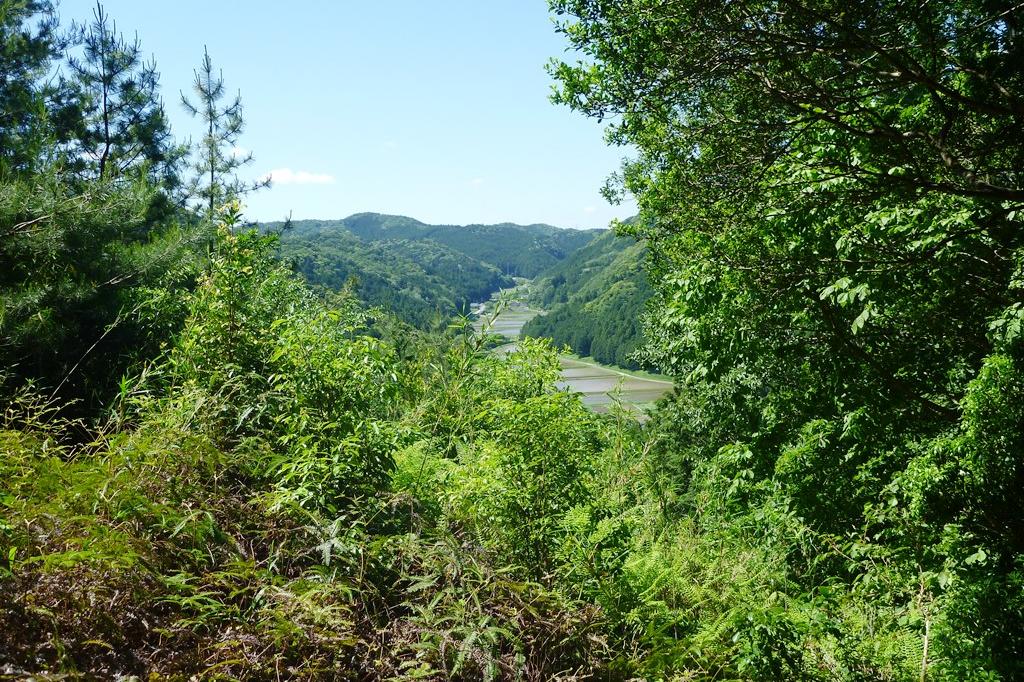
(421, 281)
(423, 272)
(594, 300)
(516, 250)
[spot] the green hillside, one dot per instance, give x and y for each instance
(419, 281)
(419, 271)
(518, 250)
(594, 299)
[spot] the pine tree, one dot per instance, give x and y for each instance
(123, 124)
(28, 43)
(216, 157)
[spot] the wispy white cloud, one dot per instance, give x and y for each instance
(476, 182)
(390, 144)
(287, 176)
(239, 152)
(589, 209)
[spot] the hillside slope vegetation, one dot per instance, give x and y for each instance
(422, 281)
(423, 273)
(296, 488)
(516, 250)
(594, 300)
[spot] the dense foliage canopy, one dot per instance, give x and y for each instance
(832, 196)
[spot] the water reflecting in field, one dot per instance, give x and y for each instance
(510, 323)
(600, 386)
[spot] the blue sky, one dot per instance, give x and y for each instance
(437, 110)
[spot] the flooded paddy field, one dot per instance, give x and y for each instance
(599, 385)
(511, 320)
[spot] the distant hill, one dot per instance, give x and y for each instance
(517, 250)
(423, 272)
(594, 300)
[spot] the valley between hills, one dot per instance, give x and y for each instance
(583, 289)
